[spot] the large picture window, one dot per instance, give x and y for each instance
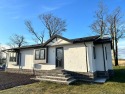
(12, 57)
(40, 54)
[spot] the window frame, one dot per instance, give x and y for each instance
(39, 54)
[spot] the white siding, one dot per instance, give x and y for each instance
(27, 58)
(99, 58)
(75, 58)
(99, 61)
(109, 56)
(51, 55)
(92, 67)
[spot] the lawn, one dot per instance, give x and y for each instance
(116, 85)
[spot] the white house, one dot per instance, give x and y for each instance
(82, 55)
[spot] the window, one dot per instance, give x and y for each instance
(40, 54)
(106, 53)
(37, 54)
(12, 57)
(94, 53)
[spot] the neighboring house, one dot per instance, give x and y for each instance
(83, 55)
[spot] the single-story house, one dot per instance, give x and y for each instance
(83, 55)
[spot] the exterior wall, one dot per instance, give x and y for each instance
(99, 58)
(99, 61)
(91, 60)
(109, 56)
(27, 58)
(75, 58)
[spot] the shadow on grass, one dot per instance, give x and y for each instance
(80, 82)
(119, 75)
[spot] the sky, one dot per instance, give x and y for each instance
(79, 15)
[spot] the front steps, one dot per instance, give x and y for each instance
(57, 75)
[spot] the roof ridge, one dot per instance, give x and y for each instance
(85, 37)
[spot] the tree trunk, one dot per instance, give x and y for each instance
(116, 53)
(113, 47)
(116, 42)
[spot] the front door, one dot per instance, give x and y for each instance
(59, 57)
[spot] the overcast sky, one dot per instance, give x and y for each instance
(77, 13)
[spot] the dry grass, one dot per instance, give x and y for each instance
(115, 85)
(121, 62)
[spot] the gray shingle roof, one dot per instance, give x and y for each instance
(95, 39)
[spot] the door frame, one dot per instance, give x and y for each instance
(62, 58)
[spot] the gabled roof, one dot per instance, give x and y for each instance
(28, 46)
(96, 39)
(85, 39)
(56, 36)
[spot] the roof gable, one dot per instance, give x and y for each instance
(57, 40)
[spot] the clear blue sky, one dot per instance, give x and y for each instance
(77, 13)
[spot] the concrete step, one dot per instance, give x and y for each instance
(55, 77)
(58, 81)
(100, 80)
(55, 74)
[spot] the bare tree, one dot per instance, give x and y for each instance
(112, 24)
(116, 30)
(99, 25)
(17, 41)
(53, 24)
(38, 38)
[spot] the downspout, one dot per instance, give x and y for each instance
(86, 57)
(104, 57)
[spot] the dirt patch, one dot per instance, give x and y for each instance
(9, 80)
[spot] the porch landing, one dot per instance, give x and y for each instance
(100, 80)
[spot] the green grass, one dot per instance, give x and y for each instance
(115, 85)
